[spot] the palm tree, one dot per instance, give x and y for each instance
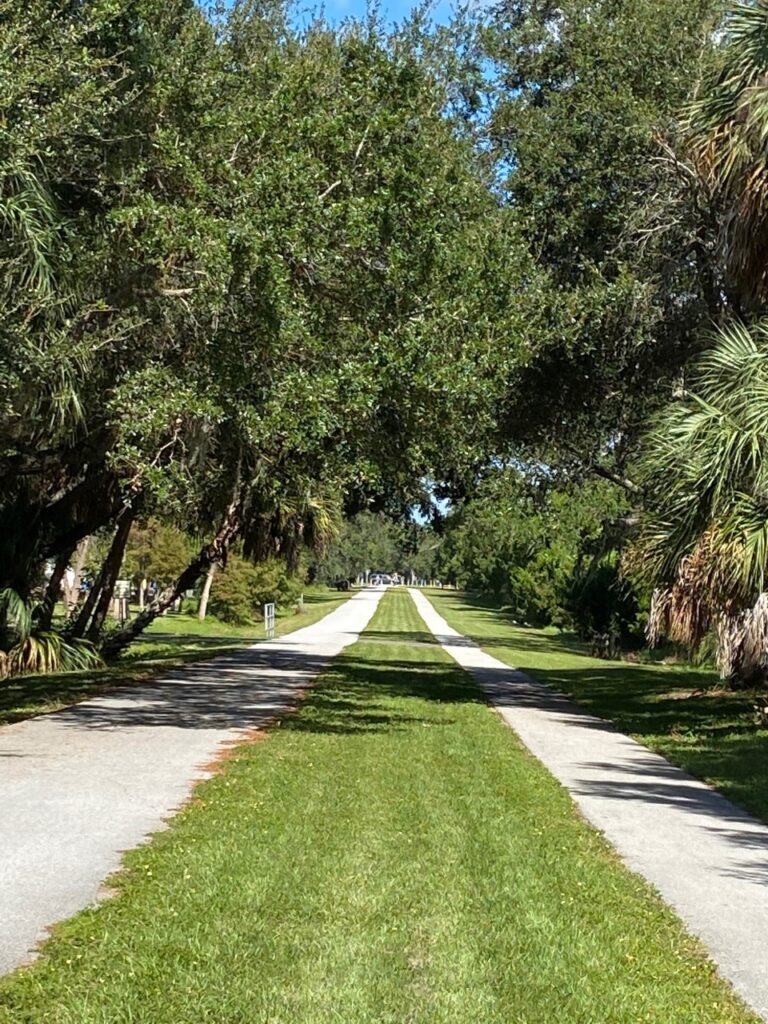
(703, 540)
(303, 515)
(29, 646)
(727, 129)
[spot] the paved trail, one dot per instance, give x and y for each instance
(80, 786)
(707, 858)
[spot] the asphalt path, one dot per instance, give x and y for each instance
(707, 858)
(80, 786)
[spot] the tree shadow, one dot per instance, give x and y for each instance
(643, 700)
(203, 642)
(364, 694)
(682, 710)
(329, 716)
(489, 615)
(652, 780)
(249, 688)
(240, 690)
(20, 697)
(647, 777)
(421, 637)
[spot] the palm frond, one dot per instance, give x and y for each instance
(49, 652)
(727, 130)
(703, 537)
(28, 221)
(15, 613)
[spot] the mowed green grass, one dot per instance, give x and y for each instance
(390, 854)
(171, 640)
(681, 712)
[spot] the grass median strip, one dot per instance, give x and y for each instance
(389, 854)
(681, 712)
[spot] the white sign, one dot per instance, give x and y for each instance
(269, 621)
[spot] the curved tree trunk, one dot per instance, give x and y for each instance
(53, 590)
(85, 613)
(213, 553)
(82, 622)
(72, 592)
(202, 608)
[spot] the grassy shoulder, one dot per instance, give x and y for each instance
(678, 711)
(172, 640)
(389, 854)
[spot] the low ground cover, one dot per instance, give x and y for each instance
(681, 712)
(390, 853)
(171, 640)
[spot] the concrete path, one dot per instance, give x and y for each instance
(707, 858)
(80, 786)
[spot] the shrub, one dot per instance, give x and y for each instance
(242, 589)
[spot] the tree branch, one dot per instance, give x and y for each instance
(616, 478)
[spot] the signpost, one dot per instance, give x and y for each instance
(269, 621)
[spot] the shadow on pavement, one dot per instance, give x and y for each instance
(237, 690)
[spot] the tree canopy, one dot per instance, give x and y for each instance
(268, 283)
(253, 272)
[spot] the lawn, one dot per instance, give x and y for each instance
(683, 713)
(171, 640)
(390, 854)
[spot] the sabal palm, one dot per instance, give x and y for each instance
(704, 536)
(25, 648)
(727, 127)
(31, 282)
(303, 514)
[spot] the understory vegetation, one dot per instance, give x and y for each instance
(390, 853)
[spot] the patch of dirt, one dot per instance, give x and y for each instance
(227, 749)
(715, 691)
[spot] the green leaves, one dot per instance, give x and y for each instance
(608, 305)
(703, 535)
(727, 129)
(255, 253)
(541, 547)
(25, 648)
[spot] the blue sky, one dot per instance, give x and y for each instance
(391, 10)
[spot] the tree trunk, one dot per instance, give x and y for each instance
(81, 626)
(53, 590)
(84, 616)
(213, 553)
(202, 608)
(110, 572)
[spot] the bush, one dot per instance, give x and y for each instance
(242, 589)
(603, 603)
